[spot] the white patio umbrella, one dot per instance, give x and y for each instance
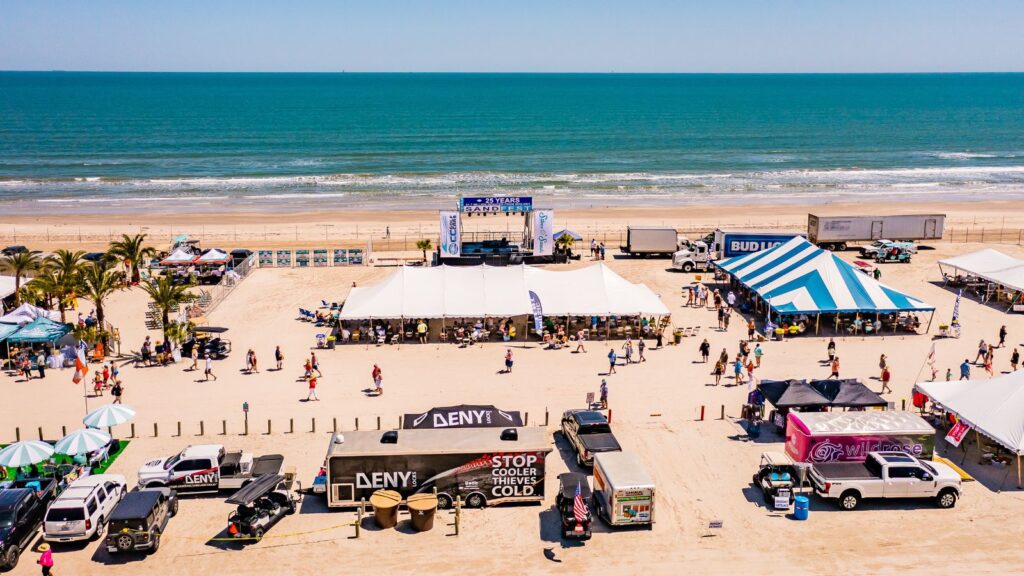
(82, 442)
(108, 415)
(25, 453)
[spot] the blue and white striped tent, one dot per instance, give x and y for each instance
(797, 277)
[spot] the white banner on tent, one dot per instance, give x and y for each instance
(451, 235)
(957, 432)
(543, 224)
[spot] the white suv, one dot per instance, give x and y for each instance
(82, 510)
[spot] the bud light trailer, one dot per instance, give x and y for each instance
(849, 436)
(728, 243)
(482, 466)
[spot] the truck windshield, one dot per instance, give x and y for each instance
(65, 514)
(929, 468)
(172, 461)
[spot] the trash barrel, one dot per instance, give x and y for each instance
(801, 508)
(677, 337)
(385, 507)
(422, 509)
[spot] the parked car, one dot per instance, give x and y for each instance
(12, 250)
(589, 433)
(886, 475)
(261, 504)
(775, 477)
(22, 506)
(574, 526)
(83, 508)
(140, 519)
(208, 468)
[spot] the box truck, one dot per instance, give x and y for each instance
(623, 490)
(481, 466)
(651, 241)
(838, 232)
(850, 436)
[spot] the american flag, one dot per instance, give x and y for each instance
(579, 509)
(956, 306)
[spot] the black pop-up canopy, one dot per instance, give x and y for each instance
(462, 416)
(818, 393)
(848, 394)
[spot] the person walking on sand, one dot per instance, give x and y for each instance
(883, 363)
(312, 390)
(209, 369)
(604, 394)
(195, 358)
(1002, 336)
(724, 357)
(718, 372)
(757, 355)
(627, 351)
(640, 347)
(279, 357)
(612, 358)
(705, 351)
(41, 364)
(45, 559)
(378, 378)
(982, 351)
(886, 375)
(117, 391)
(315, 364)
(949, 374)
(726, 313)
(965, 370)
(580, 339)
(1014, 360)
(252, 361)
(750, 374)
(737, 370)
(721, 317)
(831, 349)
(248, 361)
(835, 368)
(508, 361)
(751, 330)
(988, 365)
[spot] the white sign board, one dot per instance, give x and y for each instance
(451, 235)
(543, 228)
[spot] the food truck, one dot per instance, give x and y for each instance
(849, 436)
(482, 466)
(623, 490)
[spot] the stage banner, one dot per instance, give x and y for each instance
(284, 258)
(451, 235)
(340, 257)
(302, 258)
(543, 224)
(538, 313)
(957, 433)
(266, 258)
(320, 257)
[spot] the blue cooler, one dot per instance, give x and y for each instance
(801, 507)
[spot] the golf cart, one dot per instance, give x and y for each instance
(208, 341)
(776, 477)
(573, 527)
(894, 252)
(261, 504)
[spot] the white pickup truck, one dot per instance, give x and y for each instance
(886, 475)
(207, 468)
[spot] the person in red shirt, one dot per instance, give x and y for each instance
(377, 379)
(312, 390)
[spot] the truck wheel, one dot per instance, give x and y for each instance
(11, 558)
(124, 542)
(842, 246)
(830, 247)
(100, 525)
(476, 500)
(849, 500)
(946, 498)
(156, 543)
(688, 267)
(174, 508)
(444, 502)
(258, 534)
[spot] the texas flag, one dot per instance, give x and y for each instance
(81, 366)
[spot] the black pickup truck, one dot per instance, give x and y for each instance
(22, 507)
(588, 432)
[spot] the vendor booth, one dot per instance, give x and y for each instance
(993, 408)
(849, 436)
(816, 396)
(27, 313)
(800, 283)
(989, 274)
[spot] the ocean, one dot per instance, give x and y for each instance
(119, 141)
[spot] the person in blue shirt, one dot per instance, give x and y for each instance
(965, 370)
(612, 357)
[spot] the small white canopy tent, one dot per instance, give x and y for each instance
(6, 286)
(991, 265)
(213, 256)
(181, 256)
(993, 407)
(488, 291)
(26, 313)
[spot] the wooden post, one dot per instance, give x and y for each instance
(701, 412)
(526, 420)
(313, 426)
(202, 428)
(357, 423)
(63, 431)
(1018, 471)
(17, 434)
(334, 424)
(903, 404)
(156, 431)
(458, 513)
(268, 427)
(546, 417)
(723, 413)
(179, 428)
(40, 433)
(245, 431)
(378, 422)
(359, 515)
(133, 430)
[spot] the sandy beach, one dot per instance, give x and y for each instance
(702, 468)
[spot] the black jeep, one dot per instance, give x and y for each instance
(140, 518)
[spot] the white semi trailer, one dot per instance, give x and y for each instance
(837, 232)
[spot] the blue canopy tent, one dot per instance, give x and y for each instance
(40, 330)
(6, 330)
(566, 232)
(797, 277)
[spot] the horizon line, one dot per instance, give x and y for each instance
(506, 72)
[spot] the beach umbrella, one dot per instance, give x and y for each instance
(108, 415)
(25, 453)
(82, 442)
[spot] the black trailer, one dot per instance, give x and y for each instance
(481, 466)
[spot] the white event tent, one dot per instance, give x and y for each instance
(6, 286)
(989, 264)
(993, 407)
(490, 291)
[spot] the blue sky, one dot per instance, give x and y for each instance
(517, 35)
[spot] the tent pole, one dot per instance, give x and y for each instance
(930, 318)
(817, 322)
(1018, 471)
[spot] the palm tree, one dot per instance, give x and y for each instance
(20, 264)
(66, 267)
(133, 250)
(564, 243)
(98, 283)
(424, 245)
(42, 287)
(166, 295)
